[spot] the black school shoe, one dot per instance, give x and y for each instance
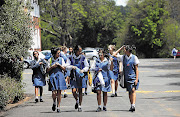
(65, 95)
(115, 94)
(79, 110)
(54, 107)
(41, 100)
(76, 105)
(104, 109)
(58, 111)
(36, 100)
(98, 109)
(112, 95)
(132, 109)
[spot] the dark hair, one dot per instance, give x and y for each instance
(104, 53)
(54, 50)
(76, 48)
(34, 53)
(130, 48)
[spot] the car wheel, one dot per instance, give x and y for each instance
(25, 65)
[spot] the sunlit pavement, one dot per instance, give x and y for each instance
(158, 95)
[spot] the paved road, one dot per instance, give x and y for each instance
(158, 95)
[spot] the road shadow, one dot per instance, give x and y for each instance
(49, 112)
(90, 111)
(114, 97)
(169, 76)
(120, 110)
(165, 66)
(172, 98)
(176, 84)
(61, 111)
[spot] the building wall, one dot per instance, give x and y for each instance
(36, 33)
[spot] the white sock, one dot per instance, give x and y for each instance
(99, 106)
(115, 91)
(64, 92)
(58, 107)
(79, 106)
(77, 101)
(36, 97)
(104, 106)
(132, 105)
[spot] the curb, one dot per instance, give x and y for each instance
(11, 106)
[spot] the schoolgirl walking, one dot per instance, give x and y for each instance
(57, 79)
(131, 73)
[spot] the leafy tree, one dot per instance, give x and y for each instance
(61, 18)
(145, 24)
(15, 37)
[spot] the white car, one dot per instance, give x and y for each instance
(91, 53)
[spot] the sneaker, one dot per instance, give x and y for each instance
(41, 100)
(58, 111)
(104, 108)
(36, 100)
(98, 109)
(76, 105)
(79, 110)
(132, 109)
(54, 107)
(115, 94)
(65, 95)
(112, 95)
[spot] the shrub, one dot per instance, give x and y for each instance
(10, 90)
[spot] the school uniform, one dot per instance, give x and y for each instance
(106, 72)
(56, 75)
(129, 70)
(115, 67)
(65, 57)
(80, 62)
(38, 76)
(174, 52)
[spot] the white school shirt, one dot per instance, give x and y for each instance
(86, 64)
(63, 63)
(93, 66)
(136, 60)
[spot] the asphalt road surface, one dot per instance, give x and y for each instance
(158, 96)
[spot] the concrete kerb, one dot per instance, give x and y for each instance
(27, 97)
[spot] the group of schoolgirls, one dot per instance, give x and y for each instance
(73, 68)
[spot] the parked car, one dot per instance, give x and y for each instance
(178, 54)
(27, 60)
(91, 53)
(46, 52)
(97, 48)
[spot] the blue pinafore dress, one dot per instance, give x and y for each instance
(57, 78)
(67, 73)
(38, 77)
(76, 80)
(129, 73)
(106, 76)
(115, 67)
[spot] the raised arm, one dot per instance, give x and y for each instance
(115, 53)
